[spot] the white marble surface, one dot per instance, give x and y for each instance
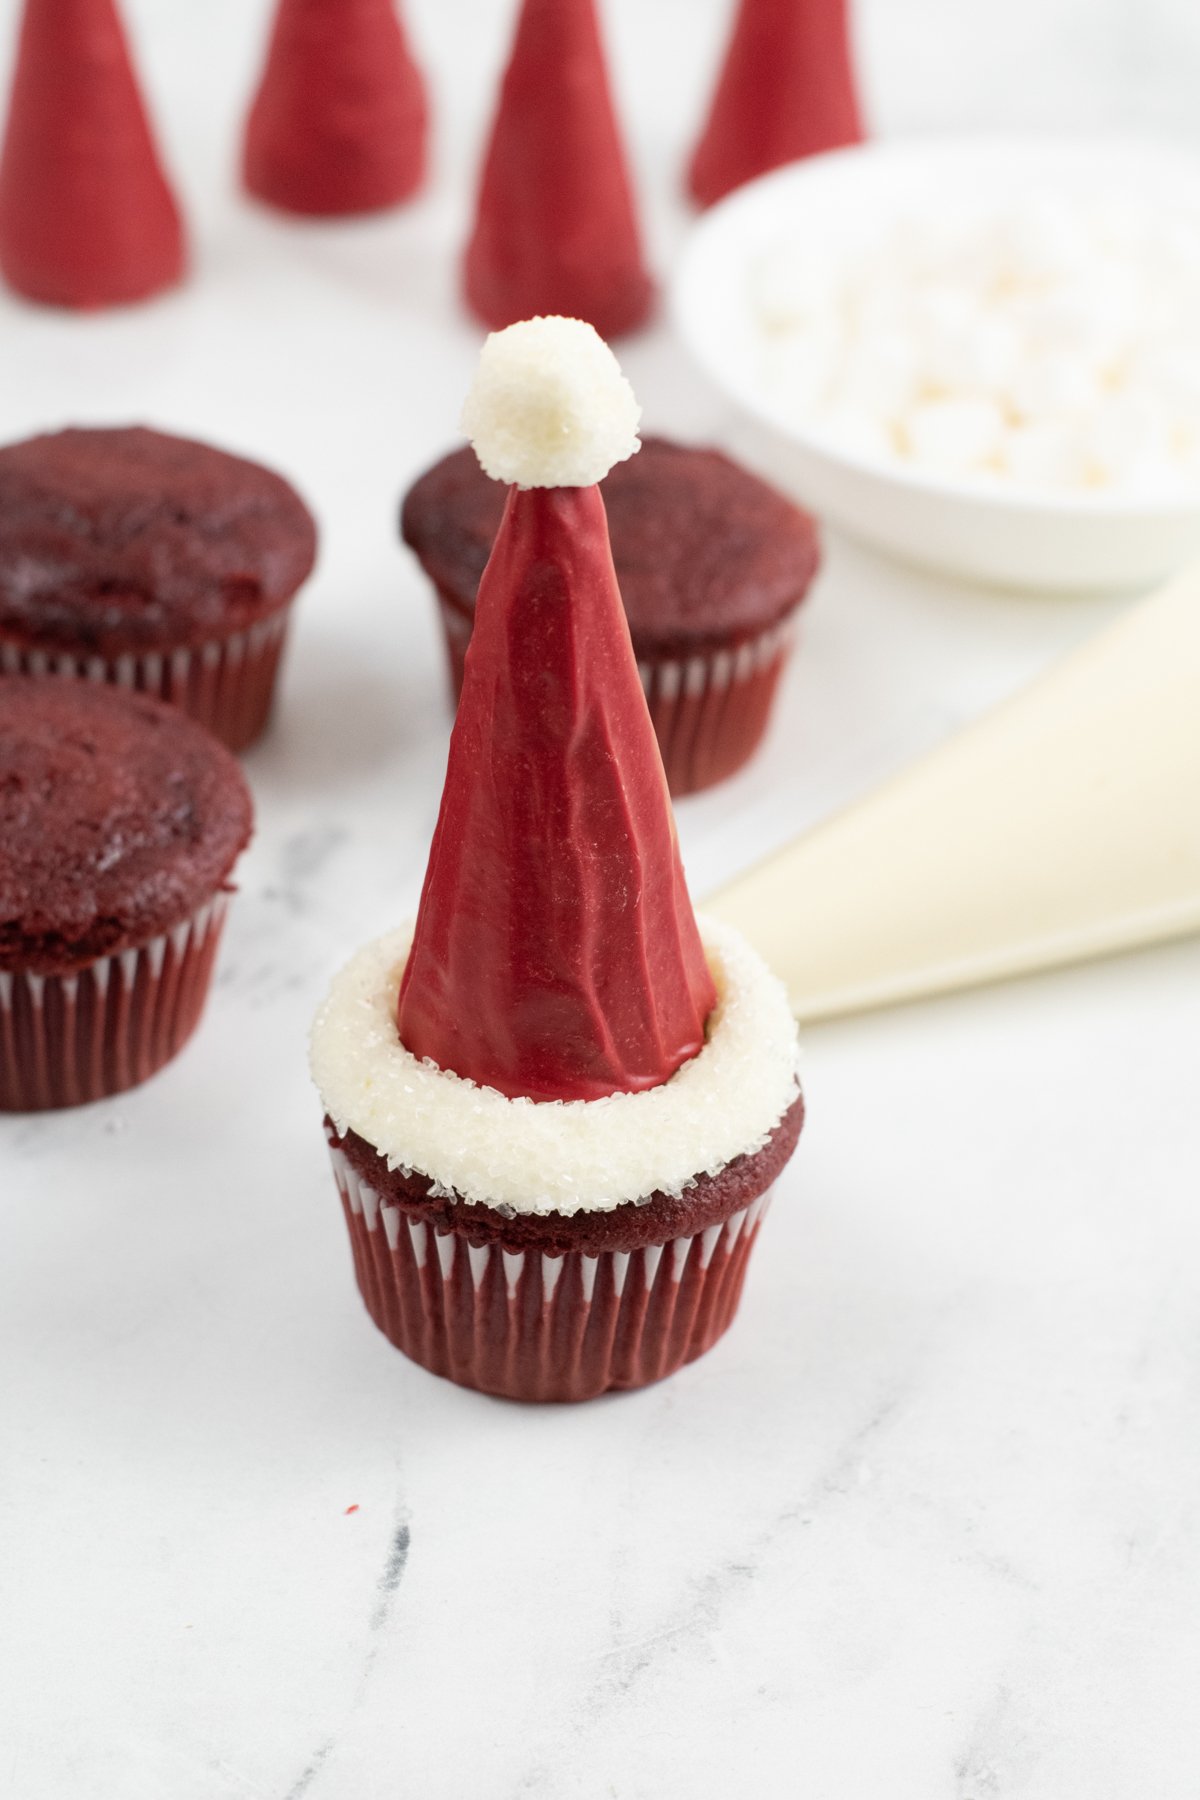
(925, 1526)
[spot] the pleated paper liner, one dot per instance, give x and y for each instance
(227, 684)
(529, 1326)
(709, 711)
(68, 1039)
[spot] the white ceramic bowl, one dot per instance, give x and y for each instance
(1002, 536)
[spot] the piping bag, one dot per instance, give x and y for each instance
(1063, 825)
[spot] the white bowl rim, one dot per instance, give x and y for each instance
(985, 148)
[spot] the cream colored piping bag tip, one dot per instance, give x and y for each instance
(1063, 825)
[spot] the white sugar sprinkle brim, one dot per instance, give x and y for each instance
(525, 1156)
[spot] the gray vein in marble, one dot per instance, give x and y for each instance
(386, 1588)
(243, 1782)
(261, 984)
(1001, 1566)
(302, 857)
(307, 1776)
(390, 1580)
(701, 1608)
(997, 1757)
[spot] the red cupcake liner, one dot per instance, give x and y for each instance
(529, 1326)
(709, 711)
(226, 684)
(68, 1039)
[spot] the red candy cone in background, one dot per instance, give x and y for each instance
(338, 124)
(556, 228)
(786, 90)
(556, 954)
(86, 215)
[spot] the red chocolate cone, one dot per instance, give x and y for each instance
(86, 215)
(786, 91)
(556, 954)
(555, 229)
(338, 123)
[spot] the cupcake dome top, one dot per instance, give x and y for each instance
(555, 1035)
(119, 817)
(702, 548)
(128, 539)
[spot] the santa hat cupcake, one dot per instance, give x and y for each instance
(557, 1104)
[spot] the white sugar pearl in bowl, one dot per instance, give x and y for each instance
(982, 356)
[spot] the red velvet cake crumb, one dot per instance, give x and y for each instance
(556, 227)
(338, 124)
(87, 218)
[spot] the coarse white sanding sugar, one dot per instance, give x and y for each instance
(570, 1156)
(549, 406)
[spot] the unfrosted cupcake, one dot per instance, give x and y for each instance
(712, 565)
(151, 562)
(557, 1104)
(120, 823)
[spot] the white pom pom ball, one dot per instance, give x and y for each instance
(549, 406)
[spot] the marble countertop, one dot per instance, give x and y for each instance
(925, 1525)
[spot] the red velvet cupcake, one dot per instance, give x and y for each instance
(120, 823)
(712, 566)
(154, 563)
(557, 1105)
